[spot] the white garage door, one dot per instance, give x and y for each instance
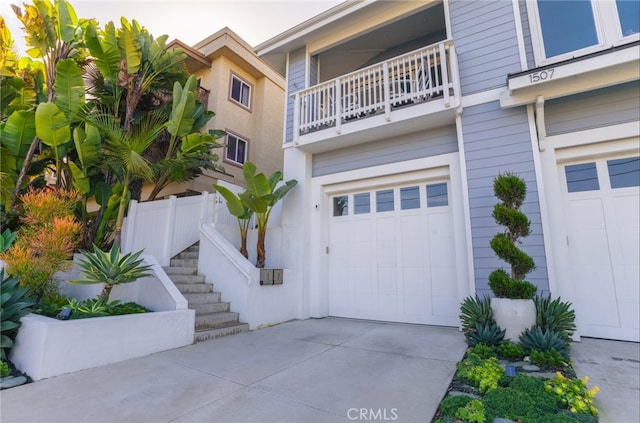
(601, 203)
(392, 255)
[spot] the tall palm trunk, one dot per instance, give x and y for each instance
(261, 260)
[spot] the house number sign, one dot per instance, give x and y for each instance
(543, 75)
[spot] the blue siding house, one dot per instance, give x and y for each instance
(399, 115)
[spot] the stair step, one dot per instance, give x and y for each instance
(202, 298)
(187, 255)
(204, 335)
(194, 287)
(193, 248)
(180, 270)
(215, 320)
(178, 262)
(187, 278)
(208, 308)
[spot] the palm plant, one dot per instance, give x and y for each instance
(261, 196)
(111, 269)
(241, 212)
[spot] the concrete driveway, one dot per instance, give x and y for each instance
(318, 370)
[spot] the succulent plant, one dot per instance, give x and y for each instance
(537, 339)
(13, 306)
(475, 311)
(555, 315)
(485, 333)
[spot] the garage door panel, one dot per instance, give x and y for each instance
(594, 281)
(630, 246)
(415, 280)
(589, 246)
(598, 312)
(440, 225)
(416, 305)
(412, 251)
(442, 251)
(627, 209)
(445, 306)
(364, 281)
(585, 214)
(443, 281)
(387, 280)
(364, 302)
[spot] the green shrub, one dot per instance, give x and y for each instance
(509, 404)
(13, 306)
(4, 369)
(510, 350)
(446, 419)
(504, 286)
(580, 417)
(472, 412)
(488, 334)
(451, 403)
(555, 315)
(573, 394)
(535, 387)
(474, 311)
(551, 358)
(483, 374)
(127, 308)
(536, 339)
(483, 351)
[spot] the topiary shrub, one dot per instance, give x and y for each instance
(511, 190)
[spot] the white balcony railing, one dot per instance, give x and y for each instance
(422, 75)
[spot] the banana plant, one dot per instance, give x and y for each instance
(189, 150)
(260, 197)
(241, 212)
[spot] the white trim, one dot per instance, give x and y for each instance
(483, 97)
(465, 206)
(542, 200)
(519, 34)
(447, 19)
(597, 135)
(285, 106)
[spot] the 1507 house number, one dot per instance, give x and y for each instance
(543, 75)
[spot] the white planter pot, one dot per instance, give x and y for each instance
(515, 316)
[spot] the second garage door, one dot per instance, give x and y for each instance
(392, 254)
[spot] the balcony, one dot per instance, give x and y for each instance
(407, 93)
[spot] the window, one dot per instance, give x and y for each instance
(341, 205)
(236, 151)
(437, 195)
(624, 173)
(565, 27)
(362, 203)
(384, 200)
(240, 91)
(409, 198)
(582, 177)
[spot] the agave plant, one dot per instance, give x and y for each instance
(555, 315)
(536, 338)
(13, 306)
(111, 269)
(485, 333)
(475, 311)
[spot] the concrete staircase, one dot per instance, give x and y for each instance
(213, 318)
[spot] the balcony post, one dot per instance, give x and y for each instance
(338, 107)
(296, 118)
(445, 75)
(386, 91)
(455, 79)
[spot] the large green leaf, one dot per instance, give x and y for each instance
(51, 125)
(183, 108)
(67, 21)
(129, 48)
(282, 190)
(69, 87)
(258, 184)
(104, 50)
(88, 145)
(234, 204)
(19, 132)
(256, 204)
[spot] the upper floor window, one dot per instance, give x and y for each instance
(240, 91)
(568, 28)
(236, 151)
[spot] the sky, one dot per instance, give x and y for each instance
(189, 21)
